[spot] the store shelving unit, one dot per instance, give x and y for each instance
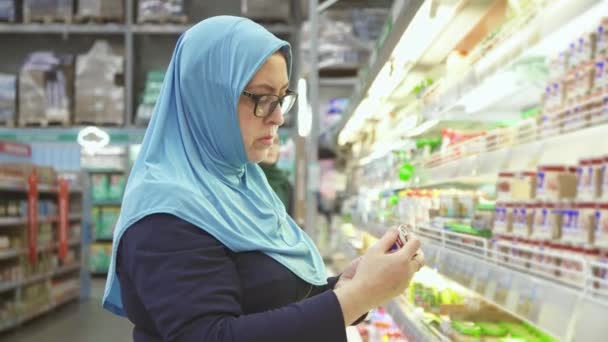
(508, 271)
(134, 39)
(16, 290)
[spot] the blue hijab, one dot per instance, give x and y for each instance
(193, 163)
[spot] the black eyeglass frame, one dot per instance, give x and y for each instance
(273, 105)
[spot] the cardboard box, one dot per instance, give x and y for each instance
(99, 86)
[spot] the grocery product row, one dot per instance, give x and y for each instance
(62, 89)
(41, 236)
(63, 11)
(437, 308)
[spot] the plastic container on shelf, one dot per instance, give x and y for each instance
(503, 185)
(601, 225)
(570, 215)
(503, 223)
(602, 37)
(590, 178)
(586, 222)
(556, 182)
(523, 221)
(523, 186)
(603, 179)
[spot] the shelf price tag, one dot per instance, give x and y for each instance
(62, 231)
(32, 218)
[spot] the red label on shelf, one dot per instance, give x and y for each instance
(15, 149)
(32, 218)
(62, 232)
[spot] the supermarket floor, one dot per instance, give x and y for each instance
(85, 321)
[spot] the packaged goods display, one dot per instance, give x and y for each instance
(266, 10)
(7, 13)
(154, 82)
(161, 11)
(101, 9)
(99, 88)
(100, 257)
(47, 10)
(8, 99)
(46, 89)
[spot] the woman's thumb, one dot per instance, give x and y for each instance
(387, 240)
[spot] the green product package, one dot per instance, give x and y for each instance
(116, 187)
(466, 229)
(109, 219)
(99, 187)
(492, 329)
(486, 206)
(467, 328)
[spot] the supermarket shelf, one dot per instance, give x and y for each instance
(104, 239)
(18, 28)
(105, 170)
(8, 287)
(34, 279)
(402, 13)
(107, 203)
(75, 217)
(279, 29)
(118, 135)
(9, 254)
(47, 308)
(65, 270)
(12, 221)
(411, 323)
(526, 288)
(12, 186)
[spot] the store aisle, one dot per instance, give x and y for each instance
(77, 322)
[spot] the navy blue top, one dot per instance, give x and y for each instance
(179, 283)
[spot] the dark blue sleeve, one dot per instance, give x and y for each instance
(189, 287)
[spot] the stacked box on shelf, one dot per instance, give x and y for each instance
(47, 10)
(105, 10)
(99, 88)
(46, 89)
(7, 13)
(369, 22)
(154, 82)
(265, 10)
(101, 254)
(8, 99)
(161, 11)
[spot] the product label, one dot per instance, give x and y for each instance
(32, 218)
(63, 197)
(540, 183)
(570, 221)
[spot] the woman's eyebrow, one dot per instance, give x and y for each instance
(266, 86)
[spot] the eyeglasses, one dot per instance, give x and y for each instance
(265, 104)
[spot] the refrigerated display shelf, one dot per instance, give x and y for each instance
(525, 288)
(411, 323)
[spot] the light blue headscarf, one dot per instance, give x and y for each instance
(193, 163)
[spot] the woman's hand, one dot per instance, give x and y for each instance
(349, 273)
(379, 276)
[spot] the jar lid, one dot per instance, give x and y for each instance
(603, 206)
(597, 161)
(509, 174)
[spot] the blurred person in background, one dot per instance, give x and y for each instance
(276, 177)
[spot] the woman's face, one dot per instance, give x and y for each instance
(259, 133)
(273, 152)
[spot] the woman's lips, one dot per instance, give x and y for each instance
(268, 140)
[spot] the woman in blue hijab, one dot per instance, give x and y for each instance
(204, 250)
